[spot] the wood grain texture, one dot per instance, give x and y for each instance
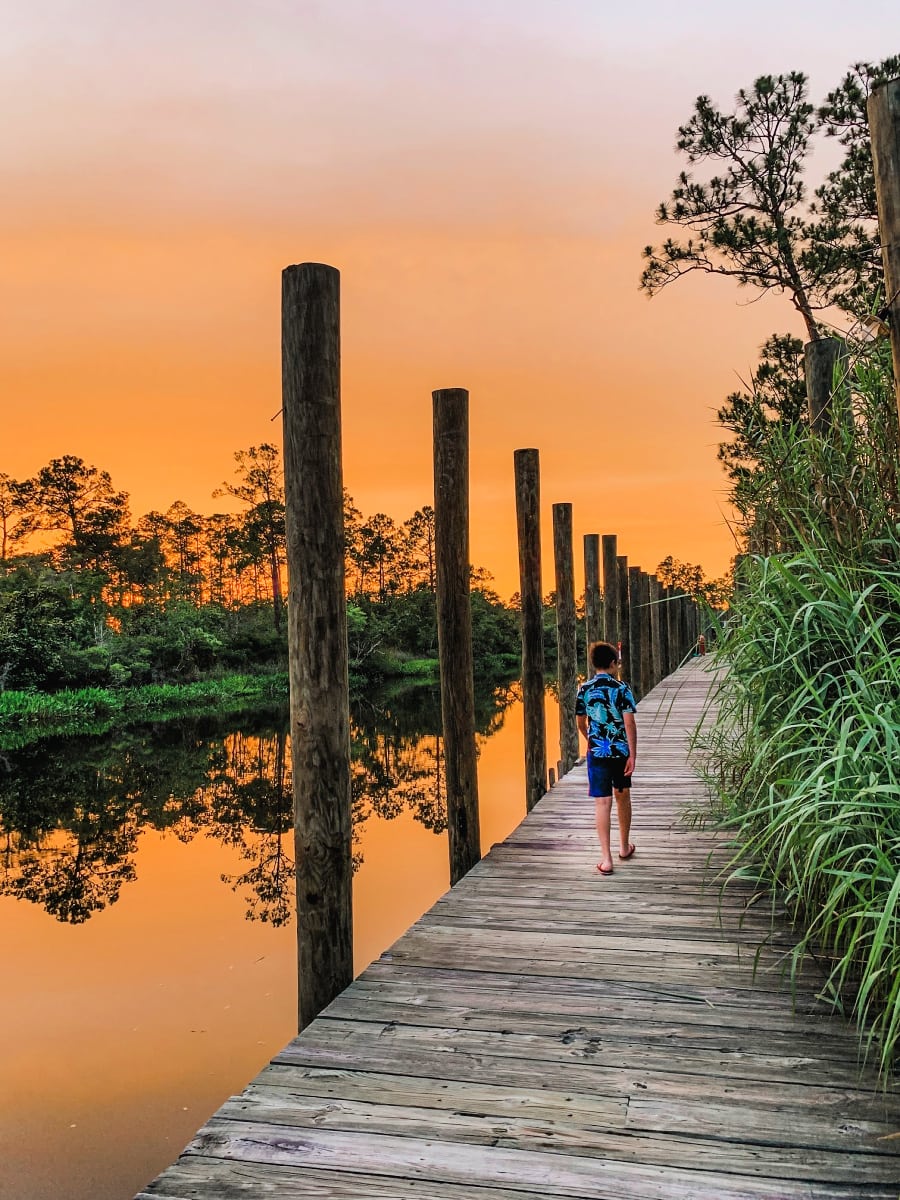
(566, 638)
(611, 613)
(545, 1032)
(636, 616)
(671, 619)
(647, 680)
(317, 631)
(594, 608)
(528, 506)
(624, 617)
(658, 636)
(454, 623)
(819, 361)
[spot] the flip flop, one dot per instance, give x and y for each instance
(629, 852)
(604, 870)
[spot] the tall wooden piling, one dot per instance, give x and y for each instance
(656, 630)
(611, 592)
(673, 619)
(884, 126)
(685, 625)
(592, 614)
(667, 625)
(664, 630)
(454, 624)
(624, 616)
(646, 636)
(635, 631)
(566, 643)
(317, 632)
(823, 392)
(528, 488)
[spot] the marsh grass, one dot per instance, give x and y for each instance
(803, 754)
(27, 716)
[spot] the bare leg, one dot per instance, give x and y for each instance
(603, 809)
(623, 811)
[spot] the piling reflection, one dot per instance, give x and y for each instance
(72, 810)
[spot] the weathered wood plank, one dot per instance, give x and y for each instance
(542, 1032)
(573, 1045)
(201, 1178)
(496, 1165)
(563, 1134)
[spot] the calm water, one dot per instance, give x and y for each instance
(146, 930)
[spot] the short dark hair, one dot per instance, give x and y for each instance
(603, 654)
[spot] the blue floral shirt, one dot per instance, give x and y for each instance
(603, 700)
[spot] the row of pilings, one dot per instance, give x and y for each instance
(654, 627)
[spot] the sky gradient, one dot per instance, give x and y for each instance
(484, 176)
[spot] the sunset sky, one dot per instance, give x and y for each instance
(484, 176)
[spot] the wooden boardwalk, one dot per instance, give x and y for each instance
(546, 1032)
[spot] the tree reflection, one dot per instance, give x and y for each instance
(72, 811)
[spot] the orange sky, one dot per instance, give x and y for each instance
(484, 176)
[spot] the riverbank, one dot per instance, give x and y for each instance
(28, 716)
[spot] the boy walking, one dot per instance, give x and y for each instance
(605, 713)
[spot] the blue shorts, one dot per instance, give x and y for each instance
(604, 774)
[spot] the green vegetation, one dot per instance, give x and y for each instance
(116, 619)
(27, 716)
(805, 761)
(803, 752)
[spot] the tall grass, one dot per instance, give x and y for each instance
(804, 753)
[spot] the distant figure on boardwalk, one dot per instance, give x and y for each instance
(605, 712)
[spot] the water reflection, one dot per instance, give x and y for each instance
(72, 810)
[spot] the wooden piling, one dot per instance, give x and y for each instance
(592, 613)
(646, 636)
(528, 487)
(884, 127)
(635, 631)
(317, 632)
(611, 592)
(624, 616)
(823, 394)
(685, 622)
(656, 630)
(566, 641)
(673, 616)
(454, 624)
(664, 631)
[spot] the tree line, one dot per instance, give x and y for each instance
(229, 558)
(89, 596)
